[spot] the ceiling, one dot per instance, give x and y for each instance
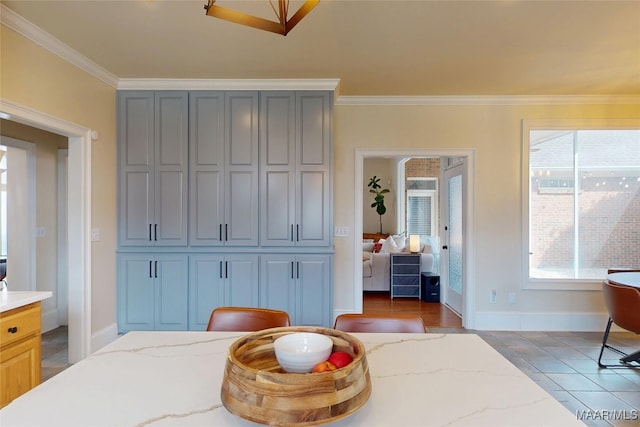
(375, 48)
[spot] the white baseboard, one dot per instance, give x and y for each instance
(513, 321)
(104, 337)
(49, 320)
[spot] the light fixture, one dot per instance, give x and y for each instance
(414, 243)
(282, 26)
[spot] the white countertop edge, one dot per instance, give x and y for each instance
(14, 299)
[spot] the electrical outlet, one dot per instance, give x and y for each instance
(493, 296)
(40, 232)
(511, 297)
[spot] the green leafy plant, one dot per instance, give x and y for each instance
(378, 204)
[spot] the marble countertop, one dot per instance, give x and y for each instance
(14, 299)
(174, 379)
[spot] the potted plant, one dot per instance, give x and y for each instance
(378, 204)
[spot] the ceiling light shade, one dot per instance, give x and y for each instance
(282, 26)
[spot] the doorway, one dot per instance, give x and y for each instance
(17, 213)
(78, 222)
(468, 309)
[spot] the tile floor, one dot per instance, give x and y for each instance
(55, 352)
(562, 363)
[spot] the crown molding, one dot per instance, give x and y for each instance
(34, 33)
(229, 84)
(489, 100)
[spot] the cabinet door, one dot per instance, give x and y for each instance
(136, 158)
(313, 172)
(314, 293)
(277, 168)
(171, 165)
(241, 176)
(171, 292)
(19, 369)
(206, 133)
(277, 283)
(206, 288)
(241, 274)
(136, 294)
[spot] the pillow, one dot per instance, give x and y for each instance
(426, 249)
(367, 247)
(390, 247)
(377, 247)
(366, 256)
(401, 241)
(368, 241)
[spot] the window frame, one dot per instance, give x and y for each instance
(433, 193)
(556, 124)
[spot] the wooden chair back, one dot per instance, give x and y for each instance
(380, 323)
(246, 319)
(623, 304)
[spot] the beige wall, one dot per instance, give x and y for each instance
(33, 77)
(383, 169)
(494, 132)
(47, 219)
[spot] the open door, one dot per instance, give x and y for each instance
(453, 228)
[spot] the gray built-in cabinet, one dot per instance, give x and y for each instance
(223, 163)
(295, 143)
(152, 292)
(237, 187)
(153, 143)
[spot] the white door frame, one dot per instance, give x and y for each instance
(469, 292)
(79, 219)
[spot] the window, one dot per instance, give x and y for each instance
(421, 206)
(583, 200)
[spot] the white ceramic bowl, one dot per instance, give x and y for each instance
(299, 352)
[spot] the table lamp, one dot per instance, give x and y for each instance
(414, 243)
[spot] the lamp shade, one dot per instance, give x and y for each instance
(414, 243)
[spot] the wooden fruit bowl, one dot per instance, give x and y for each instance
(256, 388)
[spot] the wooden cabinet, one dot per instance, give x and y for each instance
(153, 138)
(152, 292)
(297, 284)
(20, 349)
(217, 280)
(295, 160)
(223, 168)
(405, 275)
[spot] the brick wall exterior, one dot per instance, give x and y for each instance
(419, 168)
(609, 226)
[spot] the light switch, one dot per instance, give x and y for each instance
(95, 234)
(341, 232)
(40, 232)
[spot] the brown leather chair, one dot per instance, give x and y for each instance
(623, 304)
(246, 319)
(379, 323)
